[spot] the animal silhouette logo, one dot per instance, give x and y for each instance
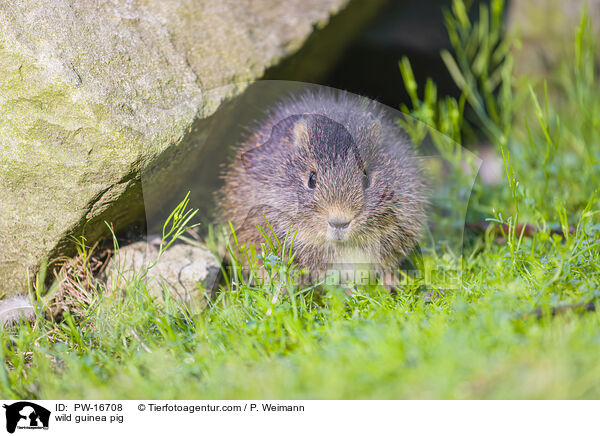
(26, 415)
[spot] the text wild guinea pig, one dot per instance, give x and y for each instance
(334, 169)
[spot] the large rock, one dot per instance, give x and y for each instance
(92, 93)
(547, 30)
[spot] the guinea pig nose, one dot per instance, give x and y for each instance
(338, 222)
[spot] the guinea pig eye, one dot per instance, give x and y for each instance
(365, 180)
(312, 180)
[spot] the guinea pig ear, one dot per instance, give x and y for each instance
(300, 135)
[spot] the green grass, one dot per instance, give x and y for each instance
(471, 342)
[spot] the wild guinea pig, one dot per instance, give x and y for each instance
(336, 170)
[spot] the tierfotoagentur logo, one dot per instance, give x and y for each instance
(26, 415)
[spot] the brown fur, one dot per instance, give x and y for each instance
(366, 173)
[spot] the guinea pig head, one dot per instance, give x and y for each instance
(316, 175)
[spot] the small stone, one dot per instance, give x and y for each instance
(188, 273)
